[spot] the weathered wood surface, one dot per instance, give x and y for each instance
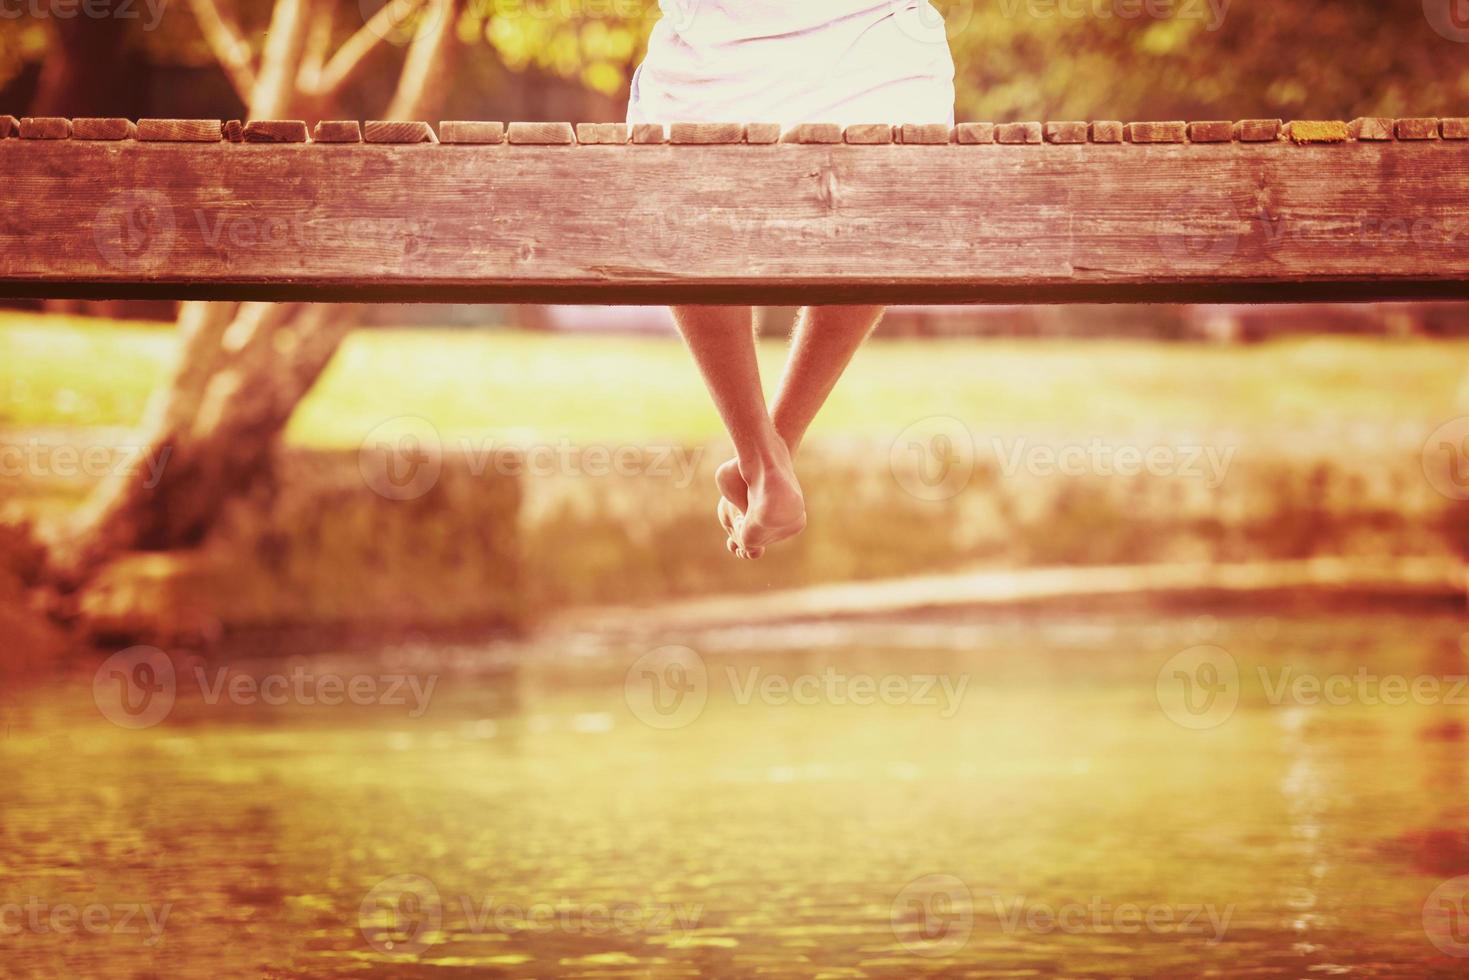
(1319, 210)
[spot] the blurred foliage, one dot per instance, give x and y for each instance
(1018, 59)
(21, 41)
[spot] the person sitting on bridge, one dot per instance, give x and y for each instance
(830, 61)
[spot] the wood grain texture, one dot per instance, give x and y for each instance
(1456, 129)
(233, 131)
(180, 130)
(1020, 133)
(1108, 131)
(974, 133)
(762, 134)
(824, 223)
(648, 134)
(869, 134)
(1372, 129)
(337, 131)
(812, 133)
(601, 134)
(925, 134)
(540, 134)
(275, 131)
(45, 128)
(1066, 132)
(472, 133)
(1417, 129)
(1157, 132)
(1214, 131)
(397, 131)
(705, 134)
(1259, 130)
(103, 129)
(9, 126)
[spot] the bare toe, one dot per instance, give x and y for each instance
(727, 514)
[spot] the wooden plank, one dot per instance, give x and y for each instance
(705, 134)
(1212, 131)
(397, 131)
(45, 128)
(180, 130)
(869, 134)
(1066, 132)
(812, 133)
(275, 131)
(1317, 131)
(1259, 130)
(1456, 129)
(234, 131)
(103, 129)
(472, 133)
(1108, 131)
(974, 133)
(824, 223)
(1417, 129)
(9, 126)
(1372, 129)
(1020, 133)
(337, 131)
(762, 134)
(925, 134)
(540, 134)
(648, 134)
(1157, 132)
(601, 134)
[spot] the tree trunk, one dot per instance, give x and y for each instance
(242, 368)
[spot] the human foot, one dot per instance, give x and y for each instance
(776, 507)
(734, 499)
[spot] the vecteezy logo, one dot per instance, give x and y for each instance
(1207, 232)
(1448, 18)
(135, 688)
(400, 21)
(1445, 459)
(402, 458)
(401, 915)
(667, 688)
(933, 915)
(933, 459)
(1198, 688)
(135, 231)
(922, 21)
(1446, 917)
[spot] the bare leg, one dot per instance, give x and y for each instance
(722, 340)
(822, 345)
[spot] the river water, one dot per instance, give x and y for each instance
(1101, 795)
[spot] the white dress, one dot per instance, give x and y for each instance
(794, 61)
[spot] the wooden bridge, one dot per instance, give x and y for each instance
(1259, 210)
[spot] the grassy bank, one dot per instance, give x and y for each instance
(519, 388)
(1323, 438)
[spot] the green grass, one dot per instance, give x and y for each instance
(58, 371)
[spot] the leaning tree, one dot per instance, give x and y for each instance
(243, 367)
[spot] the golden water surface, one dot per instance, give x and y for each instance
(1042, 796)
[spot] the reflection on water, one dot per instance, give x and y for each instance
(957, 798)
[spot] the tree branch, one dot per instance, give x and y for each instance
(318, 43)
(229, 46)
(354, 51)
(428, 61)
(280, 62)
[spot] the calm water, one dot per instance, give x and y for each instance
(1086, 797)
